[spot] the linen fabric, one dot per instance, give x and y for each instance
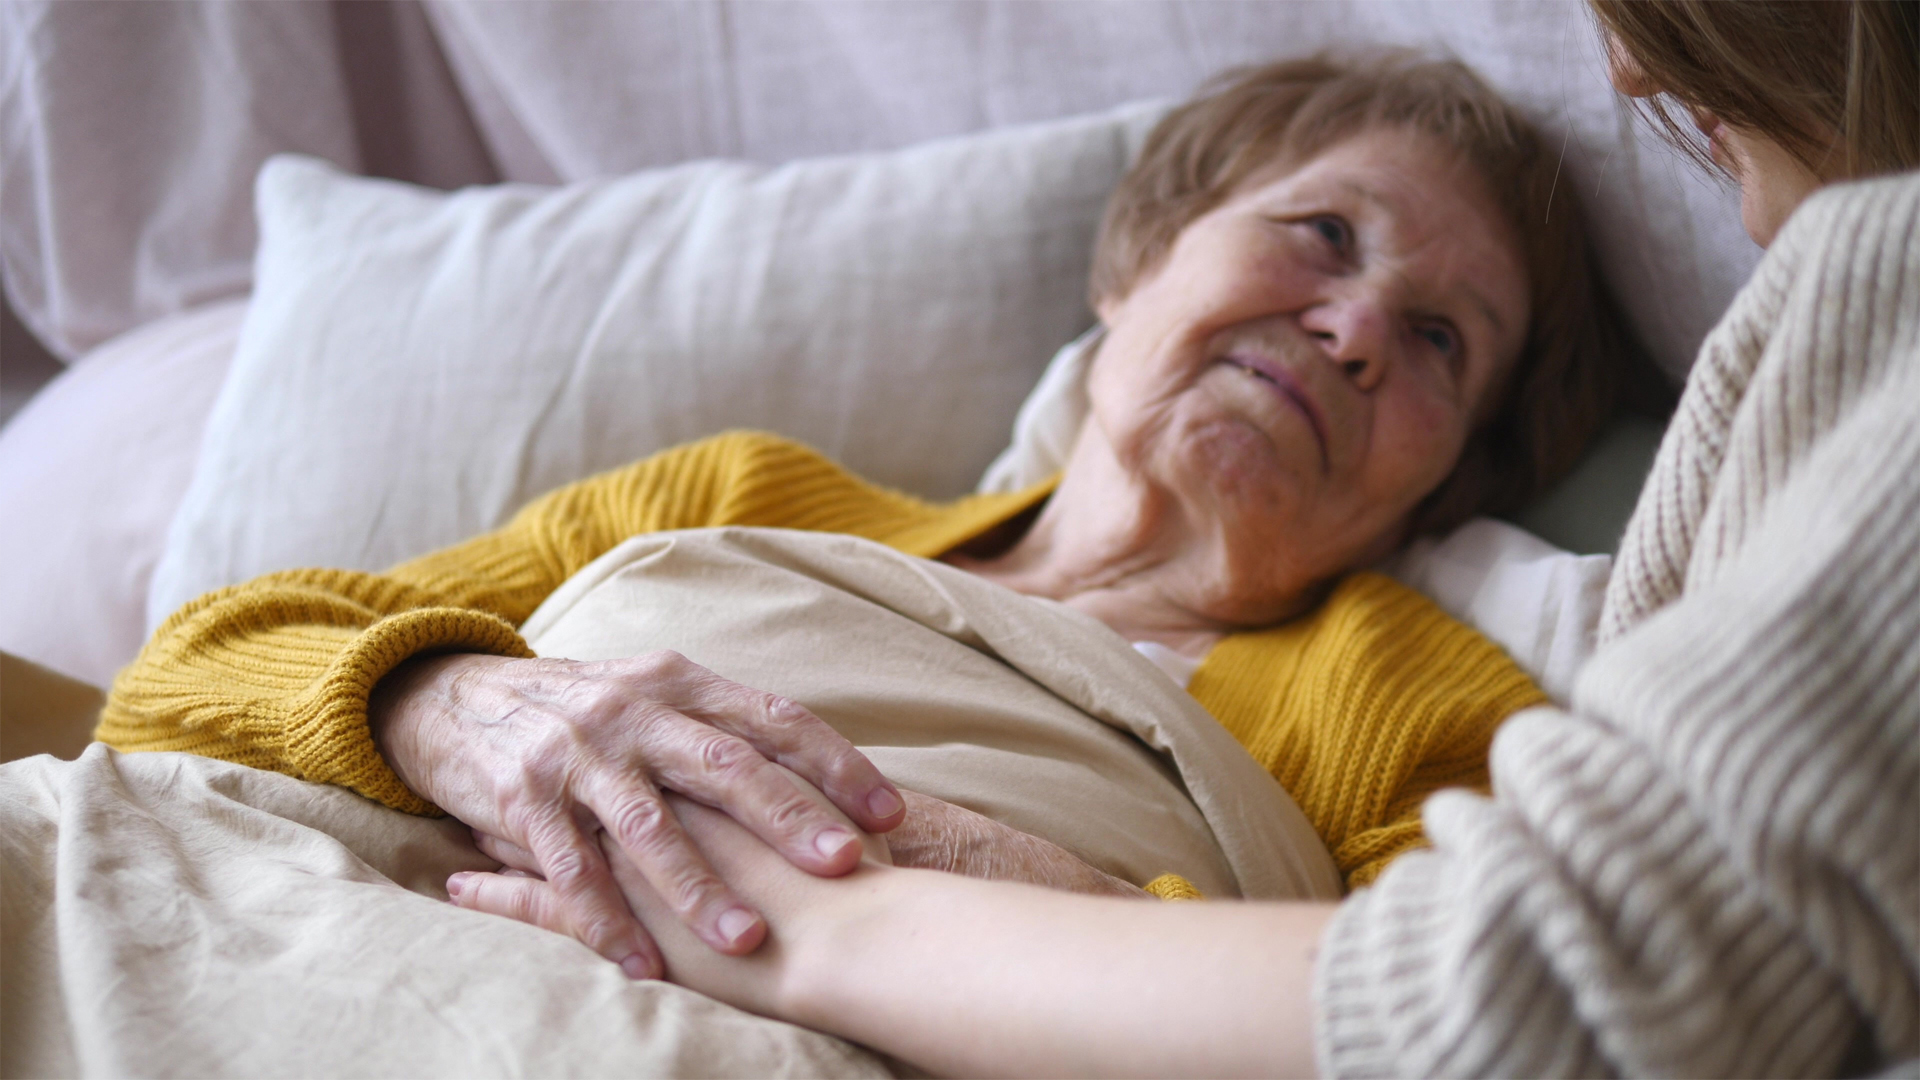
(1018, 708)
(605, 89)
(415, 366)
(188, 99)
(133, 133)
(173, 915)
(1710, 867)
(131, 144)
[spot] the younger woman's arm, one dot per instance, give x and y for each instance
(982, 978)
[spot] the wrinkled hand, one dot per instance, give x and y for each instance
(751, 982)
(938, 835)
(545, 753)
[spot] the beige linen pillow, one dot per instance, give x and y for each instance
(416, 365)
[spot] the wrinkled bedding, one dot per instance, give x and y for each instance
(166, 915)
(170, 915)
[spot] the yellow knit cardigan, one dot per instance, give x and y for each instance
(1360, 709)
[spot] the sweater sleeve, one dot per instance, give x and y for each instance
(275, 673)
(1710, 867)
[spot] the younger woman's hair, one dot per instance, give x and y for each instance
(1836, 83)
(1579, 358)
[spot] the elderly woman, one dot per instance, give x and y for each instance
(1709, 867)
(1337, 313)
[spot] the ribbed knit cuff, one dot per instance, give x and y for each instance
(328, 739)
(1376, 956)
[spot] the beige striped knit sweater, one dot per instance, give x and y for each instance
(1711, 867)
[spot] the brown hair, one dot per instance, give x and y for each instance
(1578, 353)
(1836, 84)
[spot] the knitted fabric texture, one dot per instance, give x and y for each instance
(276, 673)
(1173, 887)
(1344, 708)
(1711, 866)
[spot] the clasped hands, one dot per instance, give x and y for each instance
(539, 757)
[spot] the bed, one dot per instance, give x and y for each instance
(291, 334)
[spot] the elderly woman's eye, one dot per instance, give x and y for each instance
(1442, 338)
(1333, 230)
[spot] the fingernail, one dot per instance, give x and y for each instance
(830, 841)
(883, 803)
(455, 884)
(735, 922)
(635, 966)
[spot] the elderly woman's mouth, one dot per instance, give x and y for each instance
(1288, 388)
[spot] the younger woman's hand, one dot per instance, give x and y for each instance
(936, 835)
(544, 754)
(519, 892)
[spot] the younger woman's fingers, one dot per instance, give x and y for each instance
(596, 913)
(505, 852)
(640, 823)
(514, 896)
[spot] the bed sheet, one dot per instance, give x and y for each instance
(1013, 706)
(170, 915)
(167, 914)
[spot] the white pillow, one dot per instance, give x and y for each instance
(1539, 603)
(416, 365)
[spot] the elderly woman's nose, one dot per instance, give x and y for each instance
(1355, 334)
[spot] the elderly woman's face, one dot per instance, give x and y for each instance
(1310, 358)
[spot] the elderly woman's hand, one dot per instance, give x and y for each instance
(938, 835)
(545, 753)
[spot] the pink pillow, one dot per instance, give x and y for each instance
(91, 471)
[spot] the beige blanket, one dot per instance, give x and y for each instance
(1021, 709)
(170, 915)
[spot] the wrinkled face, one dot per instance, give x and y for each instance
(1310, 358)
